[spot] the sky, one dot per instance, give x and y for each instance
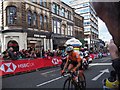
(103, 31)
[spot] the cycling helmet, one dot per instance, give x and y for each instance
(64, 55)
(69, 48)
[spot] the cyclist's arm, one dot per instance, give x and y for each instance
(66, 64)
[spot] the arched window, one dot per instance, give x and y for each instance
(29, 18)
(46, 22)
(41, 22)
(35, 19)
(11, 15)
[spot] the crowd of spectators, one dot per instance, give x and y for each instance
(10, 54)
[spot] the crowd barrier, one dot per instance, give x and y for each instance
(16, 66)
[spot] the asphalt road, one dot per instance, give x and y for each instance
(51, 78)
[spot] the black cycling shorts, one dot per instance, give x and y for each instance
(116, 65)
(75, 64)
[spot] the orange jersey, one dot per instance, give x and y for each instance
(75, 57)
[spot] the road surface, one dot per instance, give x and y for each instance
(51, 78)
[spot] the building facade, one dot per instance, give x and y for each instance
(25, 24)
(78, 26)
(86, 10)
(34, 23)
(62, 23)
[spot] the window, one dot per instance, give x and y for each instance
(55, 8)
(54, 26)
(86, 29)
(46, 22)
(41, 2)
(87, 23)
(85, 4)
(34, 1)
(29, 18)
(11, 15)
(69, 15)
(44, 3)
(41, 22)
(85, 10)
(35, 19)
(66, 14)
(58, 27)
(63, 12)
(70, 30)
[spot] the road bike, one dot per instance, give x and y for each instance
(74, 81)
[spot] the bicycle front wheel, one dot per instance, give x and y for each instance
(70, 84)
(82, 82)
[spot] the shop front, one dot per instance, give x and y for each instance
(38, 40)
(59, 40)
(24, 39)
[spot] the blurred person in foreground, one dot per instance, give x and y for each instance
(110, 14)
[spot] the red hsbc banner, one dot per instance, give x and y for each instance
(15, 66)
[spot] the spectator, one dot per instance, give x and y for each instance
(27, 54)
(19, 55)
(110, 12)
(15, 56)
(33, 55)
(11, 53)
(111, 83)
(6, 56)
(115, 58)
(37, 52)
(22, 53)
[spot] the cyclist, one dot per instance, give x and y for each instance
(74, 61)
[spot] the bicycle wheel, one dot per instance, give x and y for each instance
(70, 84)
(82, 82)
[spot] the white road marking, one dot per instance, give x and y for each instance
(50, 81)
(102, 72)
(50, 72)
(96, 64)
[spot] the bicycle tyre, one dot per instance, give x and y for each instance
(69, 84)
(82, 83)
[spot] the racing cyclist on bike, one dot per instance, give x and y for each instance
(74, 61)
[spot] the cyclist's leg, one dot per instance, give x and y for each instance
(70, 67)
(81, 75)
(81, 72)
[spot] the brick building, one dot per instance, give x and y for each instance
(34, 23)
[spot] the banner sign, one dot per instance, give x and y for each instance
(15, 66)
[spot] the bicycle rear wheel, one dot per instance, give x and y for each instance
(70, 84)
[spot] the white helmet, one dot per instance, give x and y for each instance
(69, 48)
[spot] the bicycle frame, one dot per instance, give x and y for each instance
(72, 83)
